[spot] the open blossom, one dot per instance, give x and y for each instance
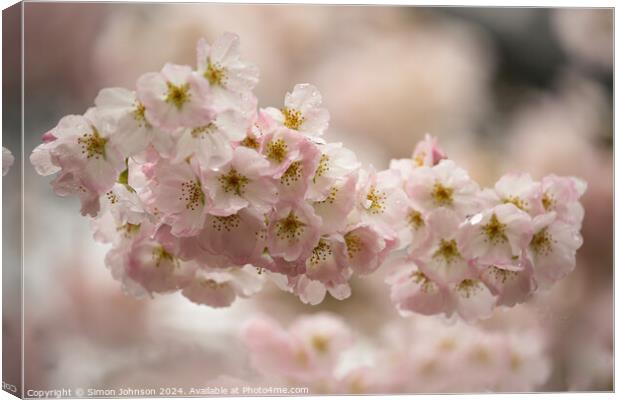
(294, 182)
(150, 265)
(552, 248)
(497, 236)
(313, 292)
(336, 163)
(293, 231)
(121, 211)
(282, 147)
(7, 160)
(366, 249)
(79, 148)
(220, 287)
(125, 116)
(212, 144)
(413, 291)
(561, 195)
(221, 64)
(443, 185)
(302, 111)
(381, 201)
(240, 237)
(241, 183)
(176, 96)
(519, 189)
(328, 263)
(176, 192)
(442, 258)
(511, 286)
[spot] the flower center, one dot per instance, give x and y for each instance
(227, 223)
(160, 254)
(251, 142)
(277, 150)
(442, 195)
(112, 197)
(233, 182)
(292, 118)
(447, 250)
(290, 227)
(192, 195)
(331, 197)
(202, 131)
(423, 281)
(548, 202)
(353, 243)
(215, 74)
(177, 95)
(415, 220)
(542, 243)
(495, 230)
(418, 159)
(211, 284)
(321, 252)
(377, 200)
(129, 229)
(500, 274)
(517, 201)
(93, 145)
(468, 287)
(292, 174)
(138, 114)
(322, 168)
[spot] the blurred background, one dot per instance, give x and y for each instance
(504, 89)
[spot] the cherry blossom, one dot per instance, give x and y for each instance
(552, 248)
(130, 130)
(241, 183)
(176, 96)
(293, 231)
(79, 147)
(302, 111)
(222, 66)
(176, 192)
(443, 185)
(496, 236)
(519, 189)
(220, 287)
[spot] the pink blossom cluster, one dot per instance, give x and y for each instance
(422, 355)
(199, 191)
(469, 249)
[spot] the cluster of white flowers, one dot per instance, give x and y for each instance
(201, 191)
(425, 355)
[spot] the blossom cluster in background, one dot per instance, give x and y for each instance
(200, 191)
(425, 355)
(7, 160)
